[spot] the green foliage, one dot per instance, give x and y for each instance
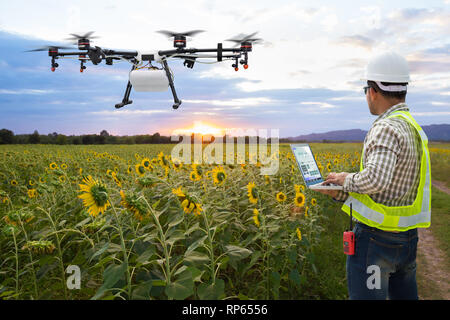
(148, 244)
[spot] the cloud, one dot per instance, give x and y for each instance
(431, 113)
(26, 91)
(440, 103)
(357, 40)
(320, 105)
(129, 112)
(238, 102)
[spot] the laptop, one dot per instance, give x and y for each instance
(309, 169)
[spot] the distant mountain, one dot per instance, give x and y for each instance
(435, 132)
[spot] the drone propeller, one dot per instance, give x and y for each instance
(179, 38)
(185, 34)
(246, 41)
(83, 41)
(88, 35)
(48, 48)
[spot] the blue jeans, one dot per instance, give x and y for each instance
(384, 264)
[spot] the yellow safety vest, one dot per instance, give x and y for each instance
(401, 218)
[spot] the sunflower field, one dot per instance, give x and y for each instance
(141, 226)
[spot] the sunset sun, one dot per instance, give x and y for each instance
(202, 128)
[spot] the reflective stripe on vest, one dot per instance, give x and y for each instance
(401, 218)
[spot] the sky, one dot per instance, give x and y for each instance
(304, 77)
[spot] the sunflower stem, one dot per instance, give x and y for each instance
(17, 264)
(124, 251)
(31, 259)
(58, 243)
(163, 243)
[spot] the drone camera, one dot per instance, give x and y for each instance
(148, 57)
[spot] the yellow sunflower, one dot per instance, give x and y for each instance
(198, 169)
(190, 206)
(32, 193)
(129, 170)
(177, 165)
(163, 160)
(178, 192)
(299, 199)
(219, 175)
(116, 180)
(53, 166)
(313, 202)
(94, 196)
(252, 193)
(255, 217)
(299, 188)
(194, 176)
(14, 182)
(299, 234)
(62, 179)
(64, 166)
(187, 203)
(281, 197)
(320, 166)
(147, 164)
(134, 204)
(329, 166)
(140, 169)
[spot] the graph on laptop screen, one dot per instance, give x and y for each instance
(307, 164)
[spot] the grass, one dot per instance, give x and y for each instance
(440, 166)
(440, 220)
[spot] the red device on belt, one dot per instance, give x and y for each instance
(349, 238)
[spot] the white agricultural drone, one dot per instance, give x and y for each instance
(144, 76)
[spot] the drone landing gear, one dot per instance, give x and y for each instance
(126, 97)
(177, 102)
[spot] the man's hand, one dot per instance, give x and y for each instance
(336, 178)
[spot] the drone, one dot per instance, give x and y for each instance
(144, 75)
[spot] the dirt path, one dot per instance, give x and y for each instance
(441, 186)
(434, 278)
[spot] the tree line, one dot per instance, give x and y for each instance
(8, 137)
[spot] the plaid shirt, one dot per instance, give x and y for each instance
(392, 151)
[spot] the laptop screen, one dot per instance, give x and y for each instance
(307, 164)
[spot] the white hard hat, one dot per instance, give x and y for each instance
(387, 67)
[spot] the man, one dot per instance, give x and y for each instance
(391, 195)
